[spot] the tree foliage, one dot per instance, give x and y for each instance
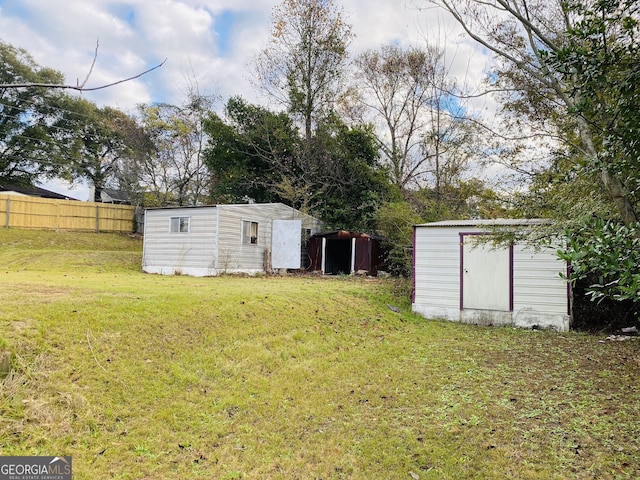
(395, 220)
(101, 141)
(249, 153)
(568, 72)
(599, 63)
(607, 252)
(423, 134)
(174, 169)
(302, 66)
(33, 126)
(46, 133)
(353, 186)
(254, 155)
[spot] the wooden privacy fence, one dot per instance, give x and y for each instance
(17, 211)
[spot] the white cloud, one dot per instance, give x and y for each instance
(135, 35)
(139, 34)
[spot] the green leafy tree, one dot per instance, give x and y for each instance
(608, 254)
(46, 133)
(352, 186)
(174, 171)
(395, 220)
(101, 141)
(251, 153)
(461, 200)
(567, 72)
(303, 68)
(33, 123)
(599, 63)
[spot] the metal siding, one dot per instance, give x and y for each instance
(539, 293)
(315, 253)
(179, 252)
(537, 283)
(363, 260)
(214, 243)
(236, 256)
(482, 223)
(437, 274)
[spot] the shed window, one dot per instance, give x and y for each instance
(249, 232)
(180, 224)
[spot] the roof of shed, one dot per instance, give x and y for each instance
(223, 205)
(346, 234)
(497, 222)
(247, 205)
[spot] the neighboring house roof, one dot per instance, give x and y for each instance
(110, 195)
(32, 191)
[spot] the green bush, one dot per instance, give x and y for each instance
(608, 253)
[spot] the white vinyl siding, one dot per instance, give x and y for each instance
(168, 252)
(437, 272)
(235, 254)
(537, 283)
(214, 242)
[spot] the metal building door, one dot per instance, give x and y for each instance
(485, 276)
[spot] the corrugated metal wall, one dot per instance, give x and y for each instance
(537, 283)
(437, 271)
(235, 255)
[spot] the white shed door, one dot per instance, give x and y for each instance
(486, 276)
(286, 242)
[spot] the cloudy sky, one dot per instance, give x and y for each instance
(213, 41)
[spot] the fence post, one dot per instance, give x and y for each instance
(58, 207)
(8, 212)
(97, 219)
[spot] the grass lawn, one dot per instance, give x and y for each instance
(141, 376)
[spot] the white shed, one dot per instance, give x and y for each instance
(209, 240)
(458, 278)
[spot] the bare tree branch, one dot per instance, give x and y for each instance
(93, 63)
(80, 87)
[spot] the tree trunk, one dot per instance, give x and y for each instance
(613, 186)
(616, 191)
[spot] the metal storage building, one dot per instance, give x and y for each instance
(344, 252)
(209, 240)
(458, 278)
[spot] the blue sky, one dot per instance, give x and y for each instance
(213, 40)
